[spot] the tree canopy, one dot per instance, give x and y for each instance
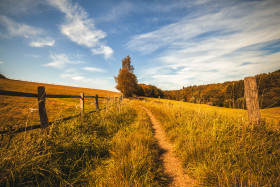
(126, 80)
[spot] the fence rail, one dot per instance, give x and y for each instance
(23, 94)
(42, 109)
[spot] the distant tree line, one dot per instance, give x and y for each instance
(227, 94)
(231, 94)
(149, 91)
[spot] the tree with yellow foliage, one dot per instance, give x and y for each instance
(126, 80)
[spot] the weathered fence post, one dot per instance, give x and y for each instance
(42, 109)
(159, 99)
(120, 99)
(252, 101)
(96, 102)
(82, 99)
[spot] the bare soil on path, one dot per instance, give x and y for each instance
(172, 166)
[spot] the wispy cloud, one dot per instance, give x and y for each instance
(42, 42)
(61, 61)
(93, 69)
(19, 7)
(72, 76)
(32, 55)
(1, 62)
(79, 28)
(35, 35)
(119, 11)
(76, 77)
(212, 47)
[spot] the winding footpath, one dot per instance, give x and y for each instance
(172, 166)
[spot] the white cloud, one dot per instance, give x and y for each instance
(107, 51)
(74, 77)
(93, 69)
(41, 43)
(14, 29)
(34, 34)
(1, 62)
(79, 28)
(213, 46)
(61, 61)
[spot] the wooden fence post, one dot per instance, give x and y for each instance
(159, 99)
(252, 101)
(120, 99)
(96, 102)
(42, 109)
(82, 99)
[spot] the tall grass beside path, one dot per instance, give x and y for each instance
(108, 147)
(221, 148)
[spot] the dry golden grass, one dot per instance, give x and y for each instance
(269, 113)
(113, 147)
(218, 146)
(16, 111)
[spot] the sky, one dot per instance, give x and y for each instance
(171, 43)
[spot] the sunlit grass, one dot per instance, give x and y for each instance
(218, 146)
(21, 111)
(113, 147)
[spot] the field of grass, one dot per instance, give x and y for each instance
(218, 146)
(116, 147)
(113, 147)
(16, 111)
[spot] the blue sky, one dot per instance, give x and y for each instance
(171, 43)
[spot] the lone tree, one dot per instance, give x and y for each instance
(126, 80)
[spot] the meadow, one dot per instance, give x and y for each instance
(218, 147)
(113, 147)
(19, 111)
(117, 147)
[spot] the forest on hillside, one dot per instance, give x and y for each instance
(231, 94)
(227, 94)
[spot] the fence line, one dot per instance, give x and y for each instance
(42, 109)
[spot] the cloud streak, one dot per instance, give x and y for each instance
(93, 69)
(42, 42)
(212, 47)
(76, 77)
(35, 35)
(61, 61)
(79, 28)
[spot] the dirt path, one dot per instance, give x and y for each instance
(172, 165)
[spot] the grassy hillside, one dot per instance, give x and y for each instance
(231, 94)
(113, 147)
(218, 146)
(16, 111)
(31, 87)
